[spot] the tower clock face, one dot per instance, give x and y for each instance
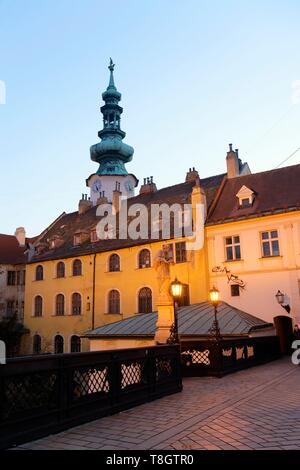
(96, 186)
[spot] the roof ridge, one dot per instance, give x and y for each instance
(265, 171)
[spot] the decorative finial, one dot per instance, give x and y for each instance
(111, 66)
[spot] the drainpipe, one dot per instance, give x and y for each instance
(94, 289)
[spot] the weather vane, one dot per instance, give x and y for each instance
(111, 65)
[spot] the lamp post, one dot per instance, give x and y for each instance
(280, 299)
(214, 295)
(176, 292)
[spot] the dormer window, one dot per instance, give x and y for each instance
(55, 242)
(245, 202)
(245, 197)
(77, 239)
(94, 236)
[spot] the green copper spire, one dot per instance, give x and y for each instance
(111, 153)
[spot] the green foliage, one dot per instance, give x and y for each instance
(11, 332)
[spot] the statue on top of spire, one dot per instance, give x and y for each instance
(111, 66)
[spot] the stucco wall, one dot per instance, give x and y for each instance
(263, 276)
(107, 344)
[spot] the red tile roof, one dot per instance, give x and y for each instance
(10, 250)
(68, 224)
(275, 191)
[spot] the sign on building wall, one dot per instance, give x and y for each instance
(232, 278)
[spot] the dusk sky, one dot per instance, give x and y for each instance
(194, 76)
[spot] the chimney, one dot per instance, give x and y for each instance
(84, 204)
(192, 175)
(20, 235)
(149, 186)
(232, 161)
(116, 198)
(102, 199)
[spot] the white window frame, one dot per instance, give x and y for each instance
(232, 245)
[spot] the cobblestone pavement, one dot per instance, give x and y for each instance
(258, 408)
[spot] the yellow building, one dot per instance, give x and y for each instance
(75, 282)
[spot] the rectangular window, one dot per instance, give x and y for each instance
(185, 298)
(235, 290)
(245, 202)
(270, 243)
(94, 236)
(77, 239)
(11, 278)
(21, 278)
(180, 250)
(233, 248)
(10, 308)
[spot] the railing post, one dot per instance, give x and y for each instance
(151, 370)
(115, 379)
(216, 349)
(64, 393)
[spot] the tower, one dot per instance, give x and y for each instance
(111, 153)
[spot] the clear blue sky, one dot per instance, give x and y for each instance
(194, 75)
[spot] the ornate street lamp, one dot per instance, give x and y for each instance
(214, 295)
(280, 299)
(176, 288)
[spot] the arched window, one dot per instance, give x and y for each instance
(38, 306)
(37, 344)
(113, 302)
(145, 300)
(76, 304)
(144, 259)
(39, 273)
(60, 305)
(75, 344)
(60, 269)
(114, 263)
(58, 344)
(77, 267)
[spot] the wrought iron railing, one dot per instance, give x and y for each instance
(46, 394)
(209, 357)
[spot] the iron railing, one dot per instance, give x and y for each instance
(46, 394)
(209, 357)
